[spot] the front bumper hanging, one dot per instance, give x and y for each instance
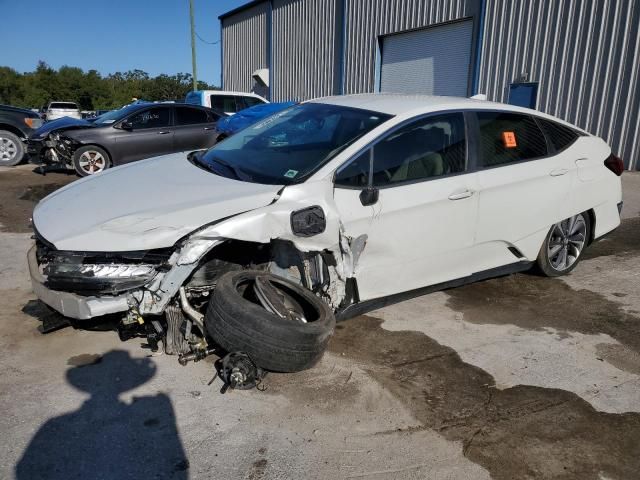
(70, 304)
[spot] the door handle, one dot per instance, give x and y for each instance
(209, 128)
(558, 171)
(163, 133)
(461, 195)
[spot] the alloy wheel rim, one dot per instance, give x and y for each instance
(566, 242)
(92, 162)
(8, 149)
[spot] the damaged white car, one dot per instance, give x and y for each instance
(327, 209)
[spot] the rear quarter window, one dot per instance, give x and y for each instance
(560, 136)
(509, 138)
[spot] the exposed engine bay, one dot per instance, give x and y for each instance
(166, 291)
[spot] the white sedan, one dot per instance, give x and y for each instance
(359, 199)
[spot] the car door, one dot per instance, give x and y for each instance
(194, 128)
(412, 195)
(523, 188)
(145, 133)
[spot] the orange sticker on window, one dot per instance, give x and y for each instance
(509, 140)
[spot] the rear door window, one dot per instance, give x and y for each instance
(153, 118)
(190, 116)
(560, 136)
(508, 138)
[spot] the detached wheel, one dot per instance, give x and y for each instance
(90, 160)
(563, 245)
(11, 149)
(282, 326)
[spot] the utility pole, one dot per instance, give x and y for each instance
(193, 47)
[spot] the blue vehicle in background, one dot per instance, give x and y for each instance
(230, 125)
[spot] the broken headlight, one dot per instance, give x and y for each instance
(108, 278)
(99, 272)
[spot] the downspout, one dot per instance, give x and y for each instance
(478, 52)
(221, 56)
(270, 50)
(343, 44)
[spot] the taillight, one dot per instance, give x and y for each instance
(615, 164)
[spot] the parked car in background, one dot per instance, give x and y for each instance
(55, 110)
(121, 136)
(228, 102)
(16, 124)
(234, 123)
(359, 200)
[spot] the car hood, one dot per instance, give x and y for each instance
(63, 123)
(148, 204)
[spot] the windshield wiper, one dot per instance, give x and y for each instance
(237, 173)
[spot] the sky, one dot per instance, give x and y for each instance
(112, 35)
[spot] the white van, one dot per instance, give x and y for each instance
(228, 102)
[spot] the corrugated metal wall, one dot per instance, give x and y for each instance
(306, 36)
(585, 54)
(245, 47)
(367, 19)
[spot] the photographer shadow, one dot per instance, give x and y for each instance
(107, 438)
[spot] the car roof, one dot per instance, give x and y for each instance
(399, 104)
(228, 92)
(404, 105)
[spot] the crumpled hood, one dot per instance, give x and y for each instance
(143, 205)
(59, 124)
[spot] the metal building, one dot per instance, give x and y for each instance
(575, 59)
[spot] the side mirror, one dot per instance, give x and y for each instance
(126, 125)
(369, 196)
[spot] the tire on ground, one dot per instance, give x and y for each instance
(236, 323)
(18, 147)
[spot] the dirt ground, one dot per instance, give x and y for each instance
(518, 377)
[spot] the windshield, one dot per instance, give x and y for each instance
(289, 146)
(115, 115)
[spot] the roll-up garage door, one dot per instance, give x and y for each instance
(432, 61)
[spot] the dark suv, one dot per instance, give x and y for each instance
(16, 124)
(121, 136)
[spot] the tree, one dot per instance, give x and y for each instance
(90, 90)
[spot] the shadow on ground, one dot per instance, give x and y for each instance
(521, 432)
(106, 437)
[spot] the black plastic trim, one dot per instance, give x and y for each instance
(361, 308)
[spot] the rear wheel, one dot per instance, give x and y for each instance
(90, 160)
(563, 245)
(11, 149)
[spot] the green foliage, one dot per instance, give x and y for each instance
(90, 90)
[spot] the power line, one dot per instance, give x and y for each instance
(204, 41)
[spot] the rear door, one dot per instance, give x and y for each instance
(419, 230)
(524, 188)
(194, 128)
(150, 135)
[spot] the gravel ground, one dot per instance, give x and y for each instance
(512, 378)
